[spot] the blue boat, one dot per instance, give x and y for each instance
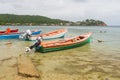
(16, 35)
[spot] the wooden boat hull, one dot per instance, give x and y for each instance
(62, 34)
(16, 35)
(12, 31)
(63, 47)
(59, 35)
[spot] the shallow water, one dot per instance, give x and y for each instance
(93, 61)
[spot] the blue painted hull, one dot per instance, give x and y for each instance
(16, 35)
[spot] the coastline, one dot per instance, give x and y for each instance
(32, 20)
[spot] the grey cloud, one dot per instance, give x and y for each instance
(73, 10)
(5, 1)
(80, 0)
(10, 1)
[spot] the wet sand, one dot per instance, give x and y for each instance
(77, 66)
(8, 68)
(81, 63)
(66, 66)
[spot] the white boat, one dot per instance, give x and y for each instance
(50, 35)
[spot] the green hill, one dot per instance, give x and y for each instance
(11, 19)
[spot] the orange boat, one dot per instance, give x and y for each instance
(64, 44)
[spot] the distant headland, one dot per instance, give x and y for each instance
(28, 20)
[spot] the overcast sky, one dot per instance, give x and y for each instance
(72, 10)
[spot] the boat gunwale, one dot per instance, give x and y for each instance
(74, 42)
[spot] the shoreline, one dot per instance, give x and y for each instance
(64, 66)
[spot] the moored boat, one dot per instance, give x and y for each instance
(50, 35)
(11, 31)
(65, 44)
(16, 35)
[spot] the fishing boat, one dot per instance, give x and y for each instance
(50, 35)
(64, 44)
(11, 31)
(16, 35)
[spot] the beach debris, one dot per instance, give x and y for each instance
(100, 41)
(103, 31)
(26, 68)
(100, 31)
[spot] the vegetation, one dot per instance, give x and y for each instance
(11, 19)
(91, 22)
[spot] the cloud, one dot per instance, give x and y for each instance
(72, 10)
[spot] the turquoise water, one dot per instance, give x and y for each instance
(99, 59)
(110, 36)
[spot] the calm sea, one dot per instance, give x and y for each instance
(102, 59)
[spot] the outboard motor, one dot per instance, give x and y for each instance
(22, 36)
(35, 45)
(26, 35)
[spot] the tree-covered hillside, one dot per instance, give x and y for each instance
(91, 22)
(11, 19)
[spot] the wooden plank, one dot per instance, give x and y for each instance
(26, 68)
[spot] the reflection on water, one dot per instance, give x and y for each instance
(93, 61)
